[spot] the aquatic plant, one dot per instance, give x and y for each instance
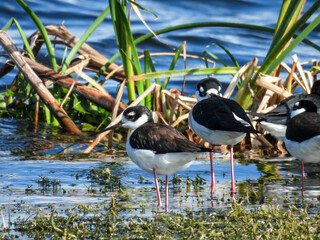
(64, 100)
(104, 221)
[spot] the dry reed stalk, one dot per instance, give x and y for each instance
(300, 70)
(96, 58)
(184, 54)
(163, 120)
(180, 119)
(36, 113)
(173, 107)
(163, 102)
(6, 68)
(37, 85)
(288, 81)
(190, 100)
(294, 76)
(263, 82)
(105, 101)
(265, 100)
(232, 85)
(310, 78)
(72, 86)
(183, 104)
(116, 108)
(156, 97)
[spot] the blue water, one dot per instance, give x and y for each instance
(17, 172)
(243, 44)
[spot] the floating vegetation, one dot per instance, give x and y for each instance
(108, 220)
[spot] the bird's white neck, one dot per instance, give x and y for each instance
(297, 112)
(135, 124)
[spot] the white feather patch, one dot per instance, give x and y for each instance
(243, 122)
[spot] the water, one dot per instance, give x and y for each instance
(27, 156)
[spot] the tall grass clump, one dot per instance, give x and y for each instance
(138, 71)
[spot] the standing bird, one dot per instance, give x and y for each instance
(303, 132)
(219, 121)
(157, 148)
(302, 138)
(275, 121)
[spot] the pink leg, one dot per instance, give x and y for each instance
(157, 188)
(167, 192)
(213, 183)
(232, 172)
(303, 177)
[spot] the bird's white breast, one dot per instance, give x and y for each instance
(218, 137)
(164, 164)
(308, 150)
(276, 130)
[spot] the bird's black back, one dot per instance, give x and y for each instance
(162, 138)
(303, 126)
(216, 113)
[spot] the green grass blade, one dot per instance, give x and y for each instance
(288, 16)
(295, 42)
(314, 68)
(272, 57)
(216, 58)
(152, 67)
(122, 42)
(142, 8)
(7, 25)
(148, 100)
(42, 31)
(235, 62)
(205, 55)
(127, 44)
(23, 36)
(214, 24)
(186, 72)
(197, 25)
(84, 38)
(172, 65)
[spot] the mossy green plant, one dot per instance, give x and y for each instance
(235, 222)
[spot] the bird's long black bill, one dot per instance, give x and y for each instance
(106, 129)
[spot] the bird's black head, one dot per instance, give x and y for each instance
(316, 88)
(208, 87)
(307, 105)
(134, 117)
(303, 106)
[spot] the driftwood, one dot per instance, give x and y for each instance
(38, 86)
(101, 99)
(97, 60)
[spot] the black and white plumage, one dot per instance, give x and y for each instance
(275, 121)
(208, 87)
(155, 147)
(302, 137)
(220, 121)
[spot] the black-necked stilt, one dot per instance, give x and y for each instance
(208, 86)
(275, 121)
(205, 88)
(302, 138)
(220, 121)
(157, 148)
